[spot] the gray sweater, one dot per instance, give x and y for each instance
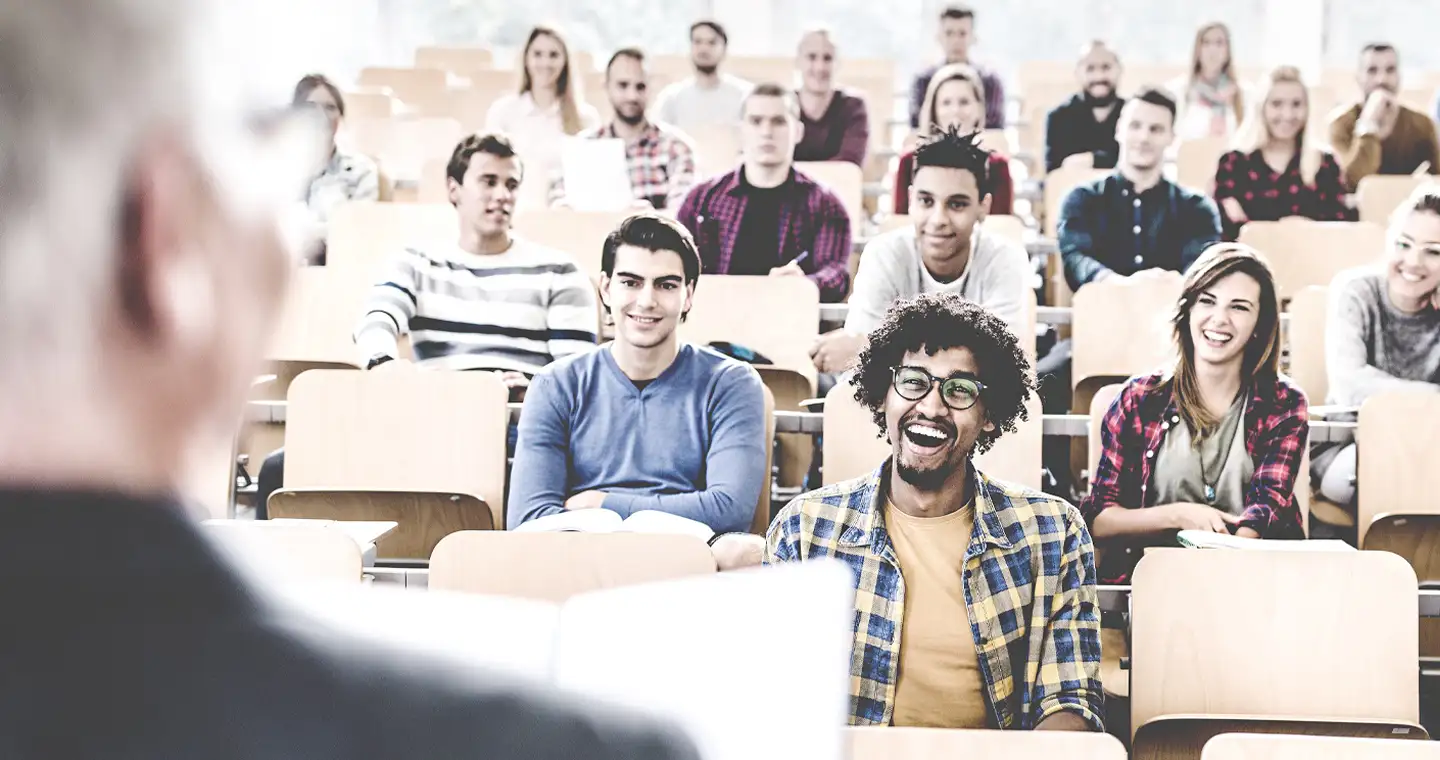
(891, 268)
(1371, 347)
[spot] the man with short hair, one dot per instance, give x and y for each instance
(1088, 121)
(661, 160)
(644, 422)
(143, 269)
(1134, 219)
(710, 97)
(1380, 135)
(946, 250)
(765, 217)
(959, 623)
(835, 123)
(956, 35)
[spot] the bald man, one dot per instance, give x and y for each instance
(835, 122)
(1085, 124)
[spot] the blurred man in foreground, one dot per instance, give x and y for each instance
(141, 266)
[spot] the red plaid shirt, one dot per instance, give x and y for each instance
(661, 163)
(1277, 425)
(813, 220)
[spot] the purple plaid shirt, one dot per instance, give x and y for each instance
(1277, 424)
(661, 163)
(812, 220)
(994, 96)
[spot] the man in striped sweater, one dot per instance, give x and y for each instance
(492, 302)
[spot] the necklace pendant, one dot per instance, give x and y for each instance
(1210, 494)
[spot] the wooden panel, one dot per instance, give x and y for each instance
(557, 566)
(365, 236)
(318, 320)
(1416, 539)
(454, 59)
(1306, 336)
(780, 318)
(1016, 457)
(891, 743)
(1058, 184)
(763, 508)
(1353, 611)
(1379, 195)
(406, 83)
(1279, 747)
(422, 518)
(1138, 308)
(401, 146)
(1303, 253)
(1396, 473)
(846, 181)
(717, 149)
(1196, 161)
(369, 105)
(290, 553)
(796, 451)
(579, 233)
(1185, 737)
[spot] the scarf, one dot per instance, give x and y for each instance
(1203, 93)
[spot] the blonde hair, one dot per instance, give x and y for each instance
(569, 101)
(949, 73)
(1262, 349)
(1238, 101)
(1254, 132)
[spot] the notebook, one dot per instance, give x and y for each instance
(607, 521)
(1204, 539)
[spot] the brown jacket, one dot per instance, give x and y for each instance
(1409, 145)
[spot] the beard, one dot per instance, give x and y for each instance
(922, 480)
(634, 120)
(1102, 101)
(707, 68)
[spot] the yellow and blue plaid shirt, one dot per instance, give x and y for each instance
(1029, 588)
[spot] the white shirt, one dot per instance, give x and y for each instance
(687, 105)
(538, 135)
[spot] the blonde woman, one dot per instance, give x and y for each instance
(547, 108)
(955, 100)
(1212, 103)
(1213, 442)
(1275, 172)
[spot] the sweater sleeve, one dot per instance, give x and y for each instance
(389, 308)
(538, 478)
(856, 137)
(1347, 355)
(875, 286)
(734, 462)
(1359, 155)
(572, 319)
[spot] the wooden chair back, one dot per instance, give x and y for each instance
(1138, 309)
(290, 552)
(893, 743)
(846, 181)
(579, 233)
(1396, 473)
(364, 236)
(1196, 161)
(777, 316)
(1278, 747)
(1303, 253)
(1306, 339)
(1378, 195)
(422, 518)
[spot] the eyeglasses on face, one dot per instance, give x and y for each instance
(914, 383)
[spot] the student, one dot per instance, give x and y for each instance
(765, 217)
(946, 560)
(645, 422)
(493, 302)
(1135, 219)
(345, 176)
(140, 301)
(1211, 100)
(710, 97)
(956, 34)
(660, 160)
(834, 123)
(1383, 329)
(1088, 121)
(1213, 443)
(1275, 172)
(548, 106)
(956, 100)
(1379, 135)
(946, 251)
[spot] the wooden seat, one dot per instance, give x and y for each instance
(892, 743)
(1180, 737)
(1275, 747)
(370, 105)
(290, 552)
(846, 181)
(1138, 309)
(1306, 339)
(365, 236)
(422, 518)
(1196, 161)
(401, 430)
(1303, 253)
(1378, 195)
(1396, 472)
(557, 566)
(579, 233)
(1334, 634)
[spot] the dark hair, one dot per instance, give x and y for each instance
(957, 12)
(1377, 47)
(494, 143)
(934, 322)
(652, 232)
(625, 52)
(307, 85)
(773, 90)
(1156, 96)
(949, 149)
(714, 26)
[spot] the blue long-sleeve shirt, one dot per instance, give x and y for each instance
(689, 443)
(1106, 225)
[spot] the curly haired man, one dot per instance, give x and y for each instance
(975, 601)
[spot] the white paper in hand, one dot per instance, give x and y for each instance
(754, 664)
(596, 175)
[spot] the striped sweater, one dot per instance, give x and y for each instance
(518, 310)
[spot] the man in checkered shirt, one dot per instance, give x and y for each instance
(975, 599)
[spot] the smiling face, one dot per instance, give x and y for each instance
(1412, 265)
(1212, 52)
(932, 442)
(1379, 70)
(544, 61)
(1223, 320)
(958, 105)
(1286, 110)
(946, 205)
(816, 61)
(1098, 72)
(627, 86)
(1144, 131)
(486, 199)
(646, 295)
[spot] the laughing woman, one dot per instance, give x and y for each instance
(1213, 443)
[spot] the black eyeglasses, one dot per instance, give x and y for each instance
(914, 383)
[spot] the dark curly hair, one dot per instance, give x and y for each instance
(934, 322)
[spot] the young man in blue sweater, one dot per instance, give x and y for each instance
(644, 422)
